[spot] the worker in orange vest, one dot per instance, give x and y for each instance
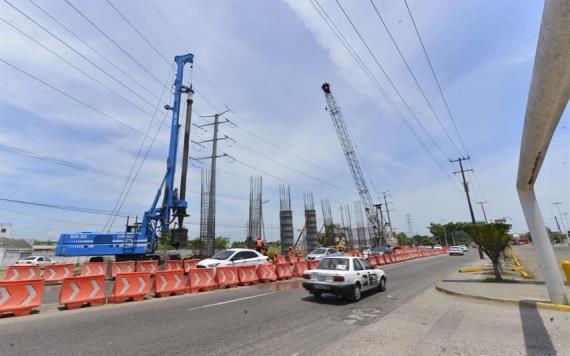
(258, 244)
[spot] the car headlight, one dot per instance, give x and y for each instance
(214, 264)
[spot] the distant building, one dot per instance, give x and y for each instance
(12, 250)
(5, 230)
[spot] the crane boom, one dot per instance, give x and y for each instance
(353, 164)
(143, 240)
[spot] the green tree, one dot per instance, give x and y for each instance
(455, 229)
(239, 244)
(492, 239)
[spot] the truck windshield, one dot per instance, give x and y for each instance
(337, 264)
(223, 255)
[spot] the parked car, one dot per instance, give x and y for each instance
(437, 247)
(464, 248)
(380, 250)
(345, 277)
(233, 257)
(455, 250)
(35, 261)
(321, 252)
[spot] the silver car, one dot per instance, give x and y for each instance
(321, 252)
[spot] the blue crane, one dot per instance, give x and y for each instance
(140, 240)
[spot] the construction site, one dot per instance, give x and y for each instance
(290, 177)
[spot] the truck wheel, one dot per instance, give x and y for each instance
(356, 294)
(382, 285)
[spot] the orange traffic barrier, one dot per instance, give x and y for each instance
(227, 277)
(372, 260)
(291, 259)
(201, 280)
(22, 273)
(312, 264)
(80, 291)
(301, 258)
(283, 271)
(122, 267)
(167, 283)
(56, 273)
(299, 268)
(247, 275)
(266, 273)
(94, 269)
(20, 297)
(278, 259)
(130, 286)
(173, 265)
(189, 264)
(148, 266)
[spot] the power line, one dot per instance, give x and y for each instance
(435, 78)
(65, 163)
(375, 58)
(139, 64)
(78, 53)
(443, 98)
(93, 49)
(107, 116)
(414, 76)
(332, 26)
(76, 68)
(138, 32)
(60, 207)
(127, 187)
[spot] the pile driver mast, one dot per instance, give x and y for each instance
(142, 239)
(354, 165)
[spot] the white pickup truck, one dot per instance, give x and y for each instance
(344, 276)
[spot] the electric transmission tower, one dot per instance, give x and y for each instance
(354, 165)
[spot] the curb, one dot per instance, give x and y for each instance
(526, 303)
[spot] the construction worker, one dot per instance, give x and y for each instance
(258, 244)
(264, 249)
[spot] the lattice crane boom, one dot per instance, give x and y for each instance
(353, 164)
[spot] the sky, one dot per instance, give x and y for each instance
(81, 85)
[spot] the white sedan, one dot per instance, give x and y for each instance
(233, 257)
(344, 276)
(35, 261)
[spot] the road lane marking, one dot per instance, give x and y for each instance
(232, 301)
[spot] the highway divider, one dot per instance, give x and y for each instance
(94, 269)
(283, 271)
(201, 280)
(22, 273)
(133, 286)
(189, 264)
(173, 265)
(148, 266)
(227, 277)
(56, 273)
(266, 273)
(122, 267)
(80, 291)
(167, 283)
(20, 297)
(247, 275)
(299, 268)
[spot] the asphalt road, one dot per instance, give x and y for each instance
(277, 319)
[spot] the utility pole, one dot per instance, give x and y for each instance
(410, 228)
(211, 224)
(483, 208)
(466, 187)
(558, 203)
(390, 236)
